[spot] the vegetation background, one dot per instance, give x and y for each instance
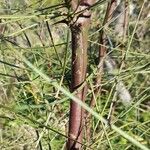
(34, 113)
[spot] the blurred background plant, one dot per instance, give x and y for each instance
(34, 114)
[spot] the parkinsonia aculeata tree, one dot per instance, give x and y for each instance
(79, 30)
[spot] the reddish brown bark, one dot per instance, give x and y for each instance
(79, 30)
(102, 53)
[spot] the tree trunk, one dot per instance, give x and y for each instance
(79, 31)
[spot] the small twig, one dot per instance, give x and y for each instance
(52, 40)
(40, 143)
(102, 54)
